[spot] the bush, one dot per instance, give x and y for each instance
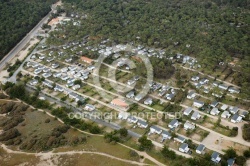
(247, 153)
(95, 130)
(246, 132)
(168, 153)
(47, 120)
(145, 144)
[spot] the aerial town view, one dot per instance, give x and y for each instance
(124, 82)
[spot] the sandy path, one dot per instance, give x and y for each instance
(48, 155)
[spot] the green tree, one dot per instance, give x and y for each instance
(145, 144)
(168, 153)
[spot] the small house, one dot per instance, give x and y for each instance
(123, 115)
(148, 101)
(200, 149)
(180, 139)
(214, 103)
(204, 81)
(188, 126)
(184, 148)
(234, 110)
(142, 124)
(225, 114)
(223, 87)
(214, 111)
(196, 115)
(132, 119)
(233, 90)
(170, 96)
(89, 107)
(165, 134)
(191, 95)
(224, 107)
(187, 111)
(58, 88)
(173, 124)
(230, 162)
(76, 87)
(216, 157)
(195, 78)
(139, 97)
(236, 118)
(198, 103)
(155, 129)
(130, 94)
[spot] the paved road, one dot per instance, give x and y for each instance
(24, 41)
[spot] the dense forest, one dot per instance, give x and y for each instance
(17, 18)
(215, 30)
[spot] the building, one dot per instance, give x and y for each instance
(195, 78)
(198, 103)
(48, 84)
(204, 81)
(155, 129)
(225, 114)
(233, 90)
(196, 115)
(184, 148)
(38, 71)
(55, 65)
(47, 75)
(224, 107)
(180, 139)
(57, 75)
(148, 101)
(214, 103)
(200, 149)
(236, 118)
(234, 110)
(123, 115)
(216, 84)
(132, 119)
(64, 70)
(65, 77)
(86, 59)
(142, 124)
(191, 95)
(187, 111)
(76, 87)
(130, 94)
(170, 96)
(214, 111)
(90, 68)
(188, 126)
(173, 124)
(230, 162)
(131, 82)
(223, 87)
(33, 82)
(244, 114)
(89, 107)
(165, 135)
(119, 102)
(58, 88)
(72, 68)
(139, 97)
(216, 157)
